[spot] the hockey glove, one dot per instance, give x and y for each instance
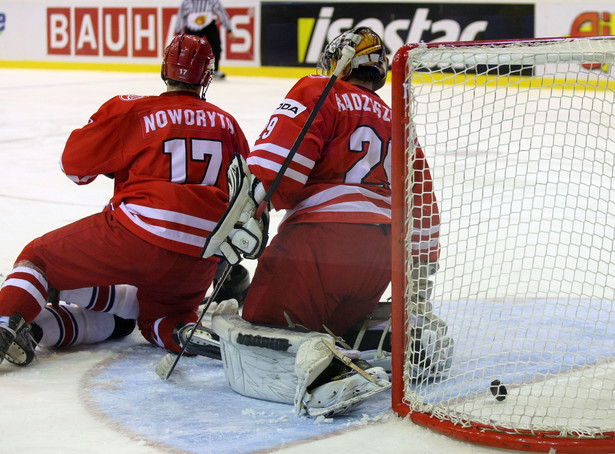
(238, 233)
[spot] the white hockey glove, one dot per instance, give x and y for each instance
(238, 233)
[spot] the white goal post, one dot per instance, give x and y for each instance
(519, 137)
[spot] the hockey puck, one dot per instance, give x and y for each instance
(498, 390)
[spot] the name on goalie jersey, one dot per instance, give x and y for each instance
(290, 108)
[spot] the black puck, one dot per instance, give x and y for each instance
(498, 390)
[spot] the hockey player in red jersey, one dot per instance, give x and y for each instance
(168, 155)
(330, 261)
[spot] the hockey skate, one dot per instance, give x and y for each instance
(345, 390)
(17, 342)
(203, 342)
(372, 337)
(343, 385)
(235, 286)
(431, 354)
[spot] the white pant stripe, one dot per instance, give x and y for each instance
(28, 287)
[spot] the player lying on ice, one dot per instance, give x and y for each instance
(330, 262)
(150, 236)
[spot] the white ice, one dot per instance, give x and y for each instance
(48, 407)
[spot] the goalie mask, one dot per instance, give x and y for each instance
(189, 59)
(370, 62)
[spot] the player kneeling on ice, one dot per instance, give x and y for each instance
(324, 158)
(170, 190)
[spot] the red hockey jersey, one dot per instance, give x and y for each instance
(168, 155)
(342, 169)
(340, 172)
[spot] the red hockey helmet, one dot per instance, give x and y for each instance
(188, 59)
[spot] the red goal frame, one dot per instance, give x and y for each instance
(500, 437)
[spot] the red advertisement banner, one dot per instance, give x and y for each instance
(134, 32)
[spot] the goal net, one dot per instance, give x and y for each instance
(519, 137)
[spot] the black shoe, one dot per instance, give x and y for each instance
(17, 341)
(203, 342)
(235, 287)
(219, 75)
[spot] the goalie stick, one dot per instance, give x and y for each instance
(167, 364)
(348, 362)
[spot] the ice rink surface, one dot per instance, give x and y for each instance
(106, 398)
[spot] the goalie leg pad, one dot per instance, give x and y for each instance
(288, 366)
(260, 361)
(431, 354)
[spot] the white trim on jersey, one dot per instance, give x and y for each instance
(134, 212)
(426, 232)
(283, 151)
(425, 242)
(329, 195)
(275, 167)
(425, 245)
(357, 206)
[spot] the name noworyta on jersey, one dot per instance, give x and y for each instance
(176, 117)
(169, 155)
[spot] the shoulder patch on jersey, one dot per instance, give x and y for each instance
(130, 97)
(290, 108)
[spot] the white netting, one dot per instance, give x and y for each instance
(520, 140)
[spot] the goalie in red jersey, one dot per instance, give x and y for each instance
(330, 261)
(325, 151)
(168, 155)
(324, 157)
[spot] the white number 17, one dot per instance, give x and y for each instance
(201, 150)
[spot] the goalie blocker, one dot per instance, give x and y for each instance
(304, 369)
